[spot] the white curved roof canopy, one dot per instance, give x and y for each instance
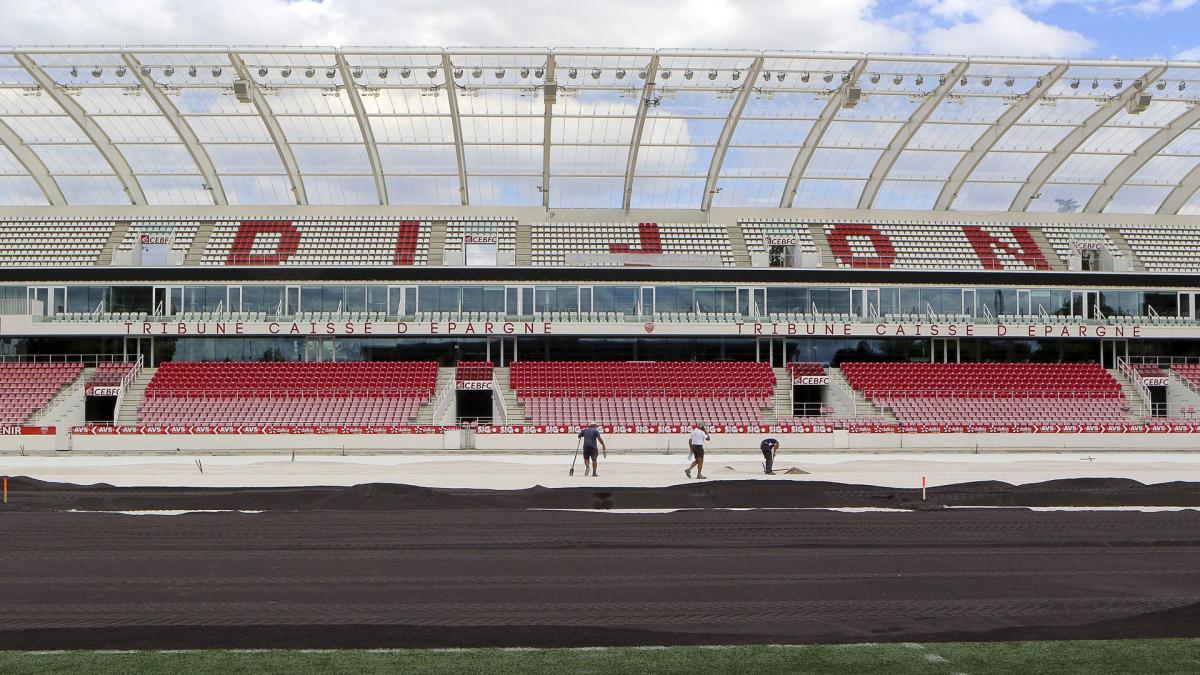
(589, 128)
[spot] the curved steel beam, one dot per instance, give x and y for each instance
(273, 128)
(731, 122)
(900, 140)
(33, 165)
(1050, 163)
(983, 145)
(547, 125)
(1182, 193)
(1132, 163)
(456, 125)
(364, 127)
(804, 155)
(182, 129)
(99, 139)
(639, 123)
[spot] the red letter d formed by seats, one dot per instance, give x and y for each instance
(241, 253)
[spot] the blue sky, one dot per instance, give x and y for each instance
(1063, 28)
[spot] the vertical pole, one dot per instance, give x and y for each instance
(922, 488)
(6, 490)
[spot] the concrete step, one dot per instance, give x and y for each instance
(524, 244)
(737, 242)
(114, 240)
(199, 243)
(818, 236)
(1123, 246)
(128, 413)
(1048, 251)
(437, 242)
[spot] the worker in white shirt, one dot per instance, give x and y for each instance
(696, 441)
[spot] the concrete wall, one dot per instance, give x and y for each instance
(260, 443)
(838, 441)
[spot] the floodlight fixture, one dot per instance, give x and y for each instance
(168, 71)
(262, 71)
(310, 72)
(620, 74)
(874, 78)
(712, 75)
(97, 71)
(987, 81)
(356, 72)
(573, 73)
(191, 71)
(595, 73)
(121, 71)
(285, 71)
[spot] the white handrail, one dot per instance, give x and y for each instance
(498, 396)
(442, 403)
(1139, 384)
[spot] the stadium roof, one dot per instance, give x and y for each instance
(670, 129)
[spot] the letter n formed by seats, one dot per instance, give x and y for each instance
(988, 247)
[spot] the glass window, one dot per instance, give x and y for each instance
(377, 299)
(619, 299)
(1165, 303)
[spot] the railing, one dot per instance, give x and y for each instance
(290, 393)
(498, 396)
(997, 395)
(843, 388)
(88, 360)
(441, 404)
(1138, 383)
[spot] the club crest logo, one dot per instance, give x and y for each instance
(649, 327)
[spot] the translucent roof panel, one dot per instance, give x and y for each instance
(573, 192)
(985, 196)
(21, 191)
(417, 190)
(1168, 170)
(451, 126)
(340, 190)
(167, 190)
(1192, 206)
(1060, 198)
(828, 194)
(896, 194)
(924, 165)
(251, 190)
(667, 193)
(92, 190)
(1137, 199)
(738, 192)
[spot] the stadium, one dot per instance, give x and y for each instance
(422, 258)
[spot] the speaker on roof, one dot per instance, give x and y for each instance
(241, 89)
(1138, 103)
(853, 96)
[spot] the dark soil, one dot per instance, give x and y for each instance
(398, 566)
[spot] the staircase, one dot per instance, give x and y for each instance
(783, 395)
(862, 407)
(199, 243)
(818, 237)
(66, 408)
(114, 240)
(426, 411)
(524, 244)
(737, 242)
(516, 410)
(437, 242)
(1048, 250)
(1137, 407)
(128, 414)
(1123, 246)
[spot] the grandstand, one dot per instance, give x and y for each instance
(394, 242)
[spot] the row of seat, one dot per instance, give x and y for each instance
(26, 388)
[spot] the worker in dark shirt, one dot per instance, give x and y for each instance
(591, 453)
(769, 447)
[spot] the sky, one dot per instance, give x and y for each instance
(1058, 28)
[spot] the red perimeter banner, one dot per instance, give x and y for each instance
(853, 428)
(27, 431)
(657, 429)
(250, 429)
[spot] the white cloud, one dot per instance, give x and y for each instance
(796, 24)
(997, 28)
(1192, 54)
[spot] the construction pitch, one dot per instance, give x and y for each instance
(398, 566)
